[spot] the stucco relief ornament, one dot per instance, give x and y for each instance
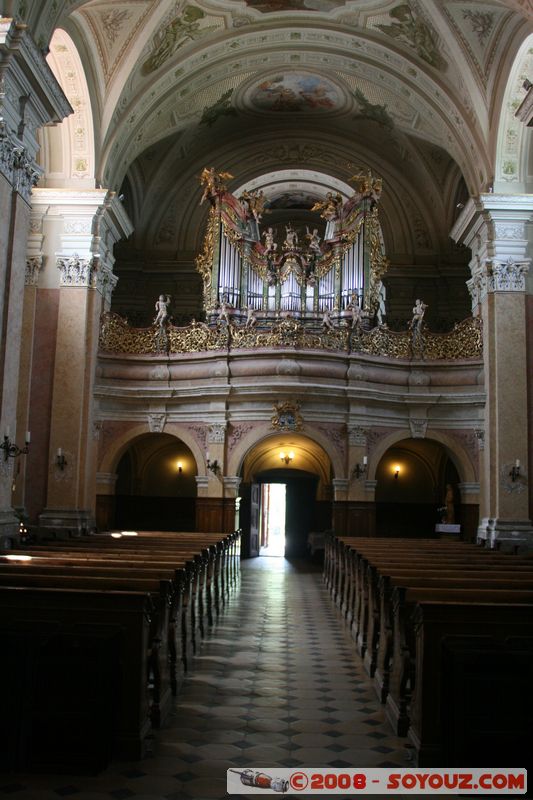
(7, 152)
(357, 436)
(156, 422)
(33, 267)
(75, 271)
(216, 433)
(418, 428)
(237, 433)
(287, 416)
(509, 276)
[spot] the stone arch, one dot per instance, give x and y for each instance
(68, 149)
(263, 432)
(512, 170)
(466, 468)
(122, 441)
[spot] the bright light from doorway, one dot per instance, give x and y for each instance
(272, 530)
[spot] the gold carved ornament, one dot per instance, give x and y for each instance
(463, 342)
(379, 263)
(287, 416)
(204, 261)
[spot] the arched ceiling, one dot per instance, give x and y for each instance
(412, 89)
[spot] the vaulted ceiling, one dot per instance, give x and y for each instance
(413, 90)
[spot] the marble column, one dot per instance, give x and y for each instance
(494, 227)
(30, 97)
(81, 228)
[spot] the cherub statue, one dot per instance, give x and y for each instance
(255, 200)
(327, 322)
(270, 244)
(251, 319)
(213, 182)
(330, 207)
(291, 238)
(419, 310)
(381, 307)
(355, 310)
(224, 311)
(161, 307)
(314, 240)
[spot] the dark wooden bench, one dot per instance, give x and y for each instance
(182, 578)
(472, 703)
(74, 672)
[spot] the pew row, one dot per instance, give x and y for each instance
(184, 579)
(379, 585)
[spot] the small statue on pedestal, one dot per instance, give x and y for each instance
(251, 319)
(224, 311)
(161, 307)
(270, 244)
(419, 310)
(291, 238)
(327, 322)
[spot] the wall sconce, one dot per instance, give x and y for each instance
(287, 457)
(61, 461)
(212, 466)
(396, 472)
(360, 469)
(11, 450)
(180, 467)
(515, 471)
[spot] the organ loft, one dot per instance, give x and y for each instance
(265, 407)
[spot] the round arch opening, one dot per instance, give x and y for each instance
(417, 490)
(285, 495)
(155, 485)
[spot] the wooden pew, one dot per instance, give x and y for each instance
(362, 574)
(472, 697)
(402, 669)
(378, 657)
(129, 562)
(75, 677)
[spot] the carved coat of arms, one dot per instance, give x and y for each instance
(287, 416)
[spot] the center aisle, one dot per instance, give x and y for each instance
(279, 686)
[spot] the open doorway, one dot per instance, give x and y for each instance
(272, 519)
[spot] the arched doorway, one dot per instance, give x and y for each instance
(156, 485)
(413, 477)
(285, 491)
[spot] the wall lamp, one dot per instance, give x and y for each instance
(360, 469)
(61, 461)
(180, 467)
(287, 457)
(515, 471)
(11, 450)
(396, 472)
(212, 466)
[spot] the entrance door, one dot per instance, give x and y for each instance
(300, 515)
(255, 508)
(272, 538)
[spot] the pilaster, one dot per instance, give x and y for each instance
(495, 228)
(79, 231)
(30, 97)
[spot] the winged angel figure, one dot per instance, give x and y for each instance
(175, 33)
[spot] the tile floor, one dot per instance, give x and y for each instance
(278, 683)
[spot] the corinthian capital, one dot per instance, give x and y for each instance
(76, 271)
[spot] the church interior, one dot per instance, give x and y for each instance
(265, 390)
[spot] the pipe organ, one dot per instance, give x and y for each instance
(306, 274)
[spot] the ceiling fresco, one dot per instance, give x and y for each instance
(272, 6)
(295, 92)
